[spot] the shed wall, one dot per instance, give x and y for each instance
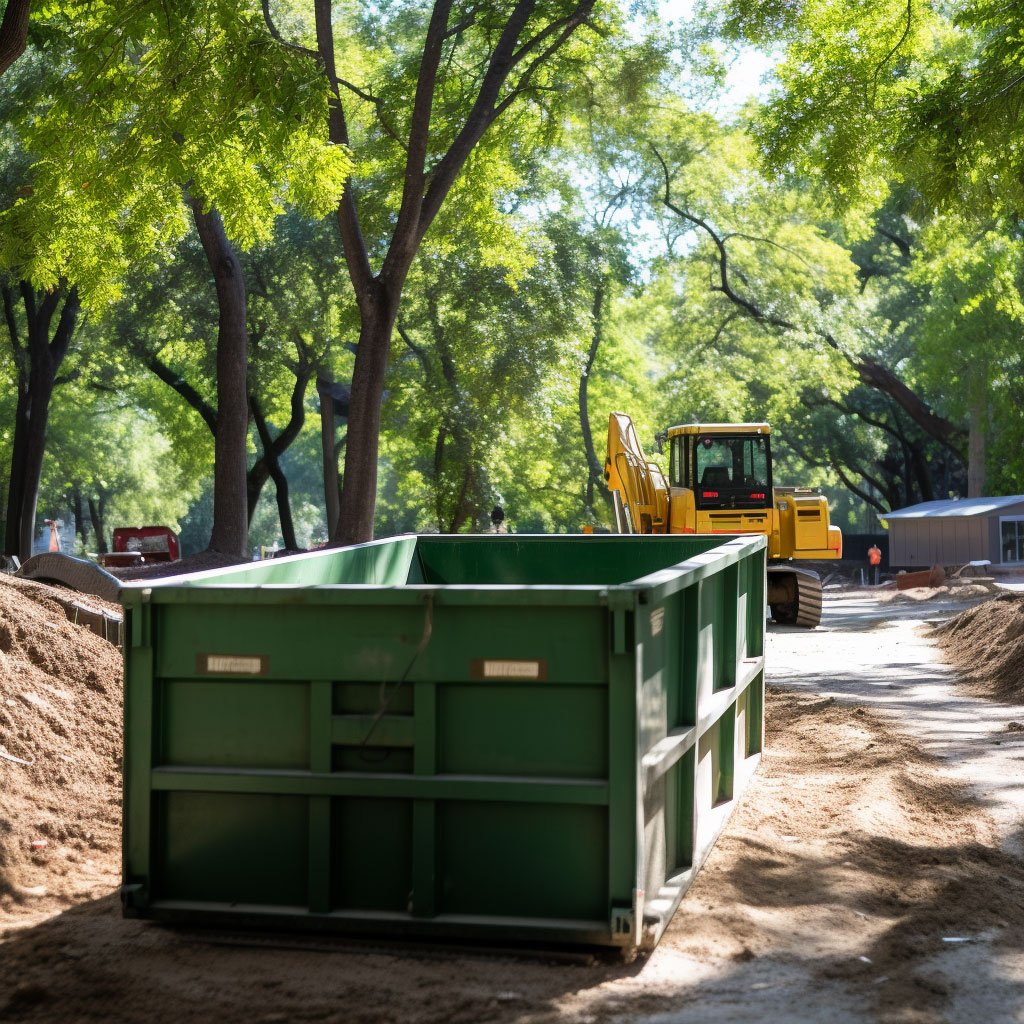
(942, 541)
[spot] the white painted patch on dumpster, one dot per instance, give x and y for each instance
(511, 669)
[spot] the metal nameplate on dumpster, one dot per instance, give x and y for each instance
(233, 664)
(487, 668)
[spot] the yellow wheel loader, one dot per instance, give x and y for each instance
(720, 481)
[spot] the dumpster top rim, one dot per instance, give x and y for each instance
(194, 588)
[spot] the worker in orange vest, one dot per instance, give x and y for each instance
(875, 559)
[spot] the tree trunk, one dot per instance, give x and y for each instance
(424, 192)
(332, 492)
(230, 533)
(976, 449)
(39, 360)
(81, 526)
(439, 447)
(96, 514)
(463, 510)
(16, 487)
(284, 508)
(35, 449)
(273, 448)
(922, 471)
(255, 480)
(595, 471)
(13, 32)
(359, 494)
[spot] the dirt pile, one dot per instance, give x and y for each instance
(987, 644)
(60, 752)
(957, 589)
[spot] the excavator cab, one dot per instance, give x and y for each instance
(724, 470)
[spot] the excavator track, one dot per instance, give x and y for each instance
(794, 596)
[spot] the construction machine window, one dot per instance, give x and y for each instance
(732, 471)
(675, 462)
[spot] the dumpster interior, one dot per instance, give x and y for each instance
(471, 560)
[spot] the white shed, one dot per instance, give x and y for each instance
(957, 531)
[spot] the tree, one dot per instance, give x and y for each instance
(875, 93)
(483, 348)
(920, 97)
(970, 322)
(297, 323)
(40, 327)
(444, 83)
(165, 111)
(113, 466)
(290, 316)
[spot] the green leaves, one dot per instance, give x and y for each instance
(875, 93)
(156, 100)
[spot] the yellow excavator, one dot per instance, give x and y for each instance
(720, 481)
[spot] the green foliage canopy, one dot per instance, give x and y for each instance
(154, 100)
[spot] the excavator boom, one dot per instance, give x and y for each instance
(639, 484)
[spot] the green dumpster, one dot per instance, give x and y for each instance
(527, 739)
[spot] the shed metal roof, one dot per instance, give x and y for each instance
(953, 508)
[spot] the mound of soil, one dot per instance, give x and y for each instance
(986, 643)
(915, 595)
(60, 751)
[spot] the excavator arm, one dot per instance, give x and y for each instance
(639, 488)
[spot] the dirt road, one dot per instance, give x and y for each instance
(870, 873)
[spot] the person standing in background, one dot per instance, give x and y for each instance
(875, 559)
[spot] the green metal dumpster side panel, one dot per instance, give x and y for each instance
(527, 738)
(348, 640)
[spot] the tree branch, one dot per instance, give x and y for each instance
(719, 241)
(849, 410)
(885, 60)
(872, 373)
(851, 486)
(417, 350)
(570, 25)
(273, 30)
(484, 109)
(297, 413)
(378, 105)
(405, 237)
(178, 383)
(356, 257)
(769, 241)
(65, 327)
(12, 321)
(901, 243)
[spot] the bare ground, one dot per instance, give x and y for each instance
(861, 849)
